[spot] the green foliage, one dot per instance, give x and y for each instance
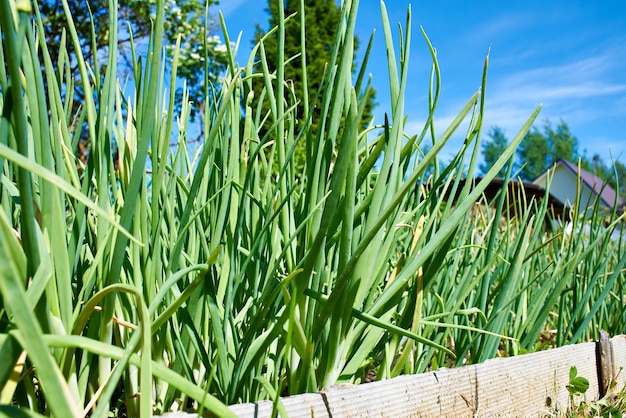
(213, 278)
(540, 150)
(492, 149)
(320, 25)
(183, 18)
(311, 32)
(578, 385)
(618, 181)
(534, 155)
(612, 405)
(614, 173)
(563, 145)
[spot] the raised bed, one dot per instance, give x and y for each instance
(525, 385)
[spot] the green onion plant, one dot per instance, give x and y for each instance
(159, 278)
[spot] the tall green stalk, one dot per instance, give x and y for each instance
(171, 275)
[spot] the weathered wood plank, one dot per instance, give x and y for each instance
(526, 385)
(446, 391)
(305, 405)
(530, 384)
(619, 360)
(604, 356)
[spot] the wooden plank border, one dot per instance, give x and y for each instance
(525, 385)
(618, 344)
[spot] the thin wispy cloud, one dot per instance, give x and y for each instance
(588, 77)
(581, 90)
(567, 56)
(228, 7)
(566, 91)
(484, 32)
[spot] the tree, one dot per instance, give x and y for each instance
(492, 150)
(322, 18)
(538, 151)
(135, 17)
(620, 177)
(563, 145)
(533, 155)
(614, 174)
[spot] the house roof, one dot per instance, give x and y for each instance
(513, 186)
(607, 193)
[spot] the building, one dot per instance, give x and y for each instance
(564, 177)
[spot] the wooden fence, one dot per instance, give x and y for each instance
(525, 385)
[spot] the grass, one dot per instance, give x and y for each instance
(158, 279)
(612, 404)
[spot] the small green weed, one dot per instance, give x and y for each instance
(578, 385)
(613, 404)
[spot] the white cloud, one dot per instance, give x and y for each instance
(485, 32)
(228, 7)
(584, 93)
(578, 76)
(552, 84)
(584, 90)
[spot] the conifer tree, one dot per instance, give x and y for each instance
(322, 18)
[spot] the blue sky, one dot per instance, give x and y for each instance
(569, 56)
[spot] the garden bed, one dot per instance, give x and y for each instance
(526, 385)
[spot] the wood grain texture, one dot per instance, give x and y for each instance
(618, 343)
(524, 386)
(531, 384)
